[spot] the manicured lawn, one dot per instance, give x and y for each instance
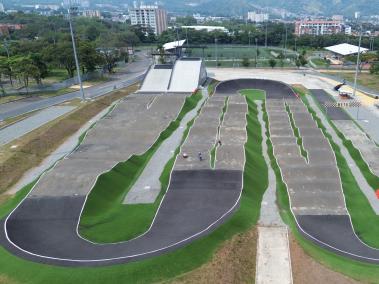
(212, 87)
(166, 266)
(320, 62)
(253, 94)
(364, 79)
(105, 218)
(355, 269)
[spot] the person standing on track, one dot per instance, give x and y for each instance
(200, 156)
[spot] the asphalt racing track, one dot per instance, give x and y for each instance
(43, 228)
(315, 190)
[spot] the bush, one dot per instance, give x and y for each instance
(374, 69)
(272, 63)
(245, 62)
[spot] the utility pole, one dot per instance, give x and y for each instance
(358, 61)
(70, 10)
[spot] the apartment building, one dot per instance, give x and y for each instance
(318, 27)
(149, 16)
(257, 17)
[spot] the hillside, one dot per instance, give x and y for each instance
(237, 7)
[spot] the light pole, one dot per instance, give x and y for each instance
(285, 41)
(266, 36)
(256, 52)
(249, 38)
(216, 52)
(70, 8)
(358, 59)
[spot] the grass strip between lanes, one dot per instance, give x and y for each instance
(168, 265)
(296, 132)
(352, 268)
(105, 218)
(214, 148)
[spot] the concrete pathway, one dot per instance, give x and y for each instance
(273, 254)
(148, 186)
(273, 258)
(363, 185)
(29, 124)
(269, 210)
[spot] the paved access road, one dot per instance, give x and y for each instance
(18, 129)
(135, 74)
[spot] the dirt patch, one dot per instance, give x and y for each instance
(6, 280)
(233, 262)
(306, 270)
(34, 147)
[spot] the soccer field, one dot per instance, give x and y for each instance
(231, 55)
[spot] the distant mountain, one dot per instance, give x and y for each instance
(241, 7)
(316, 7)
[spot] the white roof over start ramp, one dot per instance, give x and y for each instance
(187, 75)
(157, 79)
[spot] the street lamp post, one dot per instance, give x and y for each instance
(216, 40)
(75, 53)
(358, 62)
(256, 52)
(285, 41)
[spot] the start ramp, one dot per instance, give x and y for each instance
(184, 77)
(187, 75)
(157, 79)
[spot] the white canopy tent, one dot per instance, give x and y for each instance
(345, 49)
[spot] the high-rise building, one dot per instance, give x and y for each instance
(337, 18)
(91, 14)
(257, 17)
(318, 27)
(149, 17)
(2, 10)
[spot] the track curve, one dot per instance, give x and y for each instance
(197, 201)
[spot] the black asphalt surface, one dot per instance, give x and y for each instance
(196, 203)
(133, 75)
(335, 233)
(273, 89)
(333, 112)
